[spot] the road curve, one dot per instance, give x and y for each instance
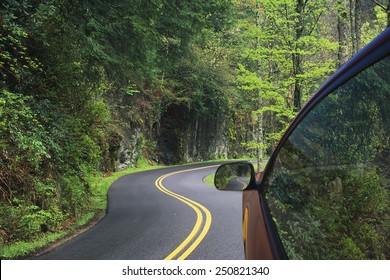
(163, 214)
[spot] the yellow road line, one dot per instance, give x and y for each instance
(243, 183)
(197, 207)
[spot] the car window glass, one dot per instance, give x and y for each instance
(328, 192)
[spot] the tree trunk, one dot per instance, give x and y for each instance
(388, 13)
(352, 25)
(342, 54)
(260, 140)
(259, 131)
(296, 57)
(358, 23)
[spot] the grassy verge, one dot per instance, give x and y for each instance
(209, 179)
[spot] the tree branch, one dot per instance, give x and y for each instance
(380, 5)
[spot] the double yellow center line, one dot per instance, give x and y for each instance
(203, 218)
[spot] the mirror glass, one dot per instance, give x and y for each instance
(234, 176)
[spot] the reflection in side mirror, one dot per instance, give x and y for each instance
(235, 176)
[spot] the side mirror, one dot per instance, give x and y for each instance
(236, 176)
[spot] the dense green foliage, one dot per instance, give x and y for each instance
(54, 129)
(88, 85)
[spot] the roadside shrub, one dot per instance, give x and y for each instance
(24, 222)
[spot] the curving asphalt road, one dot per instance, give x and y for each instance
(163, 214)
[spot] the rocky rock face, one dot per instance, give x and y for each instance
(206, 139)
(130, 149)
(179, 135)
(187, 137)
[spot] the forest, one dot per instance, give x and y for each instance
(89, 87)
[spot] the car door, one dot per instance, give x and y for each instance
(325, 193)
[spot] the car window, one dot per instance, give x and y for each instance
(328, 192)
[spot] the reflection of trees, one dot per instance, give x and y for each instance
(350, 126)
(233, 176)
(222, 177)
(329, 191)
(325, 217)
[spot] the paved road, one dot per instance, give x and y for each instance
(151, 214)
